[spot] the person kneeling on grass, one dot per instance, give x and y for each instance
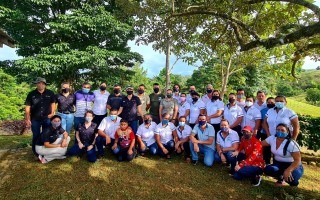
(287, 158)
(227, 143)
(124, 142)
(250, 163)
(182, 139)
(86, 134)
(53, 142)
(202, 141)
(145, 136)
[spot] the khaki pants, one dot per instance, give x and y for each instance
(53, 153)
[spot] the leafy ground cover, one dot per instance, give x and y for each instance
(303, 108)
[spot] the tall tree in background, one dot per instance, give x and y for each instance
(70, 40)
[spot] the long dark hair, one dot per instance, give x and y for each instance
(289, 138)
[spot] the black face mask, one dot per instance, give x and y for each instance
(215, 98)
(191, 91)
(116, 91)
(129, 92)
(140, 91)
(246, 136)
(209, 91)
(103, 88)
(65, 90)
(271, 105)
(195, 99)
(175, 89)
(156, 90)
(169, 96)
(147, 121)
(231, 100)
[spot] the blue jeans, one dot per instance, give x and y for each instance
(37, 126)
(134, 125)
(75, 150)
(247, 172)
(66, 121)
(231, 160)
(207, 151)
(100, 142)
(277, 168)
(169, 146)
(122, 153)
(153, 148)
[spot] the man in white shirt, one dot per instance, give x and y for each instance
(207, 98)
(192, 89)
(176, 92)
(260, 103)
(145, 136)
(240, 97)
(197, 107)
(106, 131)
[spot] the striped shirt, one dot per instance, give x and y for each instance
(84, 102)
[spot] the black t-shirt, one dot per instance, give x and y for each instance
(40, 103)
(87, 135)
(130, 108)
(66, 104)
(50, 135)
(115, 101)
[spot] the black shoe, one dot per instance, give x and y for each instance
(256, 181)
(120, 158)
(194, 162)
(99, 156)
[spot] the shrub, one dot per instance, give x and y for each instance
(309, 132)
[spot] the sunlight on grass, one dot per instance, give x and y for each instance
(303, 108)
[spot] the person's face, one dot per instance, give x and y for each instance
(86, 86)
(209, 87)
(215, 94)
(113, 112)
(182, 95)
(147, 117)
(167, 117)
(89, 115)
(65, 86)
(241, 92)
(123, 125)
(57, 120)
(195, 96)
(41, 86)
(280, 99)
(261, 97)
(182, 119)
(156, 86)
(176, 87)
(249, 99)
(232, 96)
(224, 124)
(117, 87)
(282, 129)
(141, 88)
(169, 92)
(103, 84)
(202, 118)
(271, 101)
(192, 88)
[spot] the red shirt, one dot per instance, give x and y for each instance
(253, 151)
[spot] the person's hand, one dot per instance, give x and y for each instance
(173, 121)
(223, 158)
(181, 146)
(196, 148)
(50, 115)
(235, 154)
(90, 147)
(114, 146)
(28, 123)
(143, 146)
(130, 151)
(236, 168)
(176, 146)
(287, 175)
(80, 145)
(108, 140)
(64, 143)
(165, 151)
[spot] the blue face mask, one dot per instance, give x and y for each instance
(201, 123)
(165, 121)
(182, 123)
(280, 105)
(281, 134)
(85, 90)
(113, 117)
(224, 129)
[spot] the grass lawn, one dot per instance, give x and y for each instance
(144, 178)
(303, 108)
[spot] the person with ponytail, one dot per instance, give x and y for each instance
(287, 158)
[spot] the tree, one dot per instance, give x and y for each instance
(70, 40)
(313, 95)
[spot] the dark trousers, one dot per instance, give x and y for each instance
(169, 146)
(246, 171)
(140, 120)
(238, 130)
(134, 125)
(100, 142)
(216, 130)
(76, 151)
(98, 118)
(266, 150)
(122, 153)
(37, 126)
(230, 160)
(186, 151)
(156, 119)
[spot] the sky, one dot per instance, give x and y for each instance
(153, 61)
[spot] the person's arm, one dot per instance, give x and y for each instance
(132, 143)
(265, 143)
(233, 147)
(108, 107)
(140, 111)
(296, 128)
(91, 146)
(160, 145)
(237, 122)
(187, 113)
(120, 111)
(209, 141)
(148, 103)
(252, 157)
(139, 140)
(78, 139)
(160, 112)
(257, 126)
(65, 138)
(287, 174)
(27, 116)
(116, 140)
(175, 109)
(53, 108)
(175, 136)
(265, 126)
(48, 145)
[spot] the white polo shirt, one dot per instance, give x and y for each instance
(100, 102)
(264, 105)
(147, 133)
(278, 153)
(165, 132)
(205, 99)
(284, 116)
(242, 104)
(189, 98)
(176, 97)
(231, 138)
(195, 110)
(182, 134)
(109, 127)
(183, 108)
(232, 113)
(250, 116)
(213, 107)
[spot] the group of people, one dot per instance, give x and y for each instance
(244, 133)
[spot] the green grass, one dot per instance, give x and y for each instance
(14, 141)
(303, 108)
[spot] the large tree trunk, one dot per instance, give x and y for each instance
(168, 62)
(225, 78)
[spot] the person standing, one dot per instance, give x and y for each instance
(214, 109)
(234, 114)
(40, 107)
(251, 116)
(207, 98)
(115, 99)
(240, 98)
(260, 103)
(66, 106)
(145, 102)
(155, 99)
(100, 103)
(197, 107)
(170, 106)
(184, 107)
(129, 109)
(192, 89)
(176, 92)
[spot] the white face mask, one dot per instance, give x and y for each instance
(249, 103)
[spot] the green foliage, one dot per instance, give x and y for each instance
(174, 79)
(310, 134)
(313, 95)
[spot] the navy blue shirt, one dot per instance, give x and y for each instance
(50, 135)
(115, 101)
(130, 108)
(87, 135)
(66, 104)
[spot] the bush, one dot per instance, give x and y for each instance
(309, 132)
(313, 95)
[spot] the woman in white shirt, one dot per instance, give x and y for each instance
(214, 109)
(197, 107)
(287, 158)
(251, 116)
(145, 136)
(182, 139)
(184, 106)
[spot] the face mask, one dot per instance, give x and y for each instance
(55, 124)
(215, 98)
(201, 123)
(65, 90)
(85, 90)
(246, 136)
(182, 123)
(175, 89)
(103, 88)
(270, 105)
(129, 92)
(281, 134)
(240, 96)
(191, 91)
(156, 90)
(249, 103)
(279, 105)
(209, 91)
(88, 119)
(116, 91)
(147, 121)
(113, 117)
(169, 95)
(165, 121)
(140, 91)
(182, 99)
(195, 99)
(231, 100)
(224, 129)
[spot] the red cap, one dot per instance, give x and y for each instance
(247, 128)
